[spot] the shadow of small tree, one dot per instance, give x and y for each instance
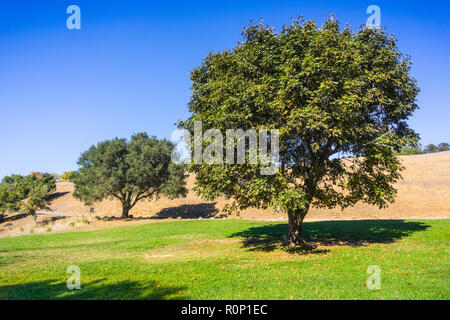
(49, 220)
(13, 217)
(57, 195)
(330, 233)
(95, 290)
(188, 211)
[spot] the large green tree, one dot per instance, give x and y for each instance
(129, 171)
(332, 94)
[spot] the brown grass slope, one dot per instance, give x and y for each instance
(424, 192)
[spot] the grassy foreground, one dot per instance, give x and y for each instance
(231, 259)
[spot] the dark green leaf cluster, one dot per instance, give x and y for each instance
(129, 171)
(16, 192)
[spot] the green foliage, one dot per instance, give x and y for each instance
(129, 171)
(444, 146)
(431, 148)
(68, 175)
(8, 199)
(331, 93)
(416, 149)
(27, 193)
(406, 151)
(38, 199)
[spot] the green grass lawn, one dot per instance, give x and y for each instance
(231, 259)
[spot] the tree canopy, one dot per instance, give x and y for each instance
(332, 94)
(26, 193)
(443, 146)
(129, 171)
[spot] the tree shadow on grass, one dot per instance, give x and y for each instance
(95, 290)
(331, 233)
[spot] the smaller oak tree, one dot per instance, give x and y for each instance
(38, 199)
(431, 148)
(129, 171)
(444, 146)
(26, 193)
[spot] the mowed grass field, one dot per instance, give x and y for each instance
(231, 259)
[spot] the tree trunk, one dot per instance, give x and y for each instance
(294, 236)
(125, 210)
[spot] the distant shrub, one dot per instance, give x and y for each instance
(406, 151)
(431, 148)
(68, 175)
(444, 146)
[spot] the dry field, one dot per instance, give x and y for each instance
(424, 192)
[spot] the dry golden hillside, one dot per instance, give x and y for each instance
(423, 192)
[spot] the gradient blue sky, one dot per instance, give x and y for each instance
(127, 69)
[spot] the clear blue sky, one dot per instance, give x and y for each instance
(127, 69)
